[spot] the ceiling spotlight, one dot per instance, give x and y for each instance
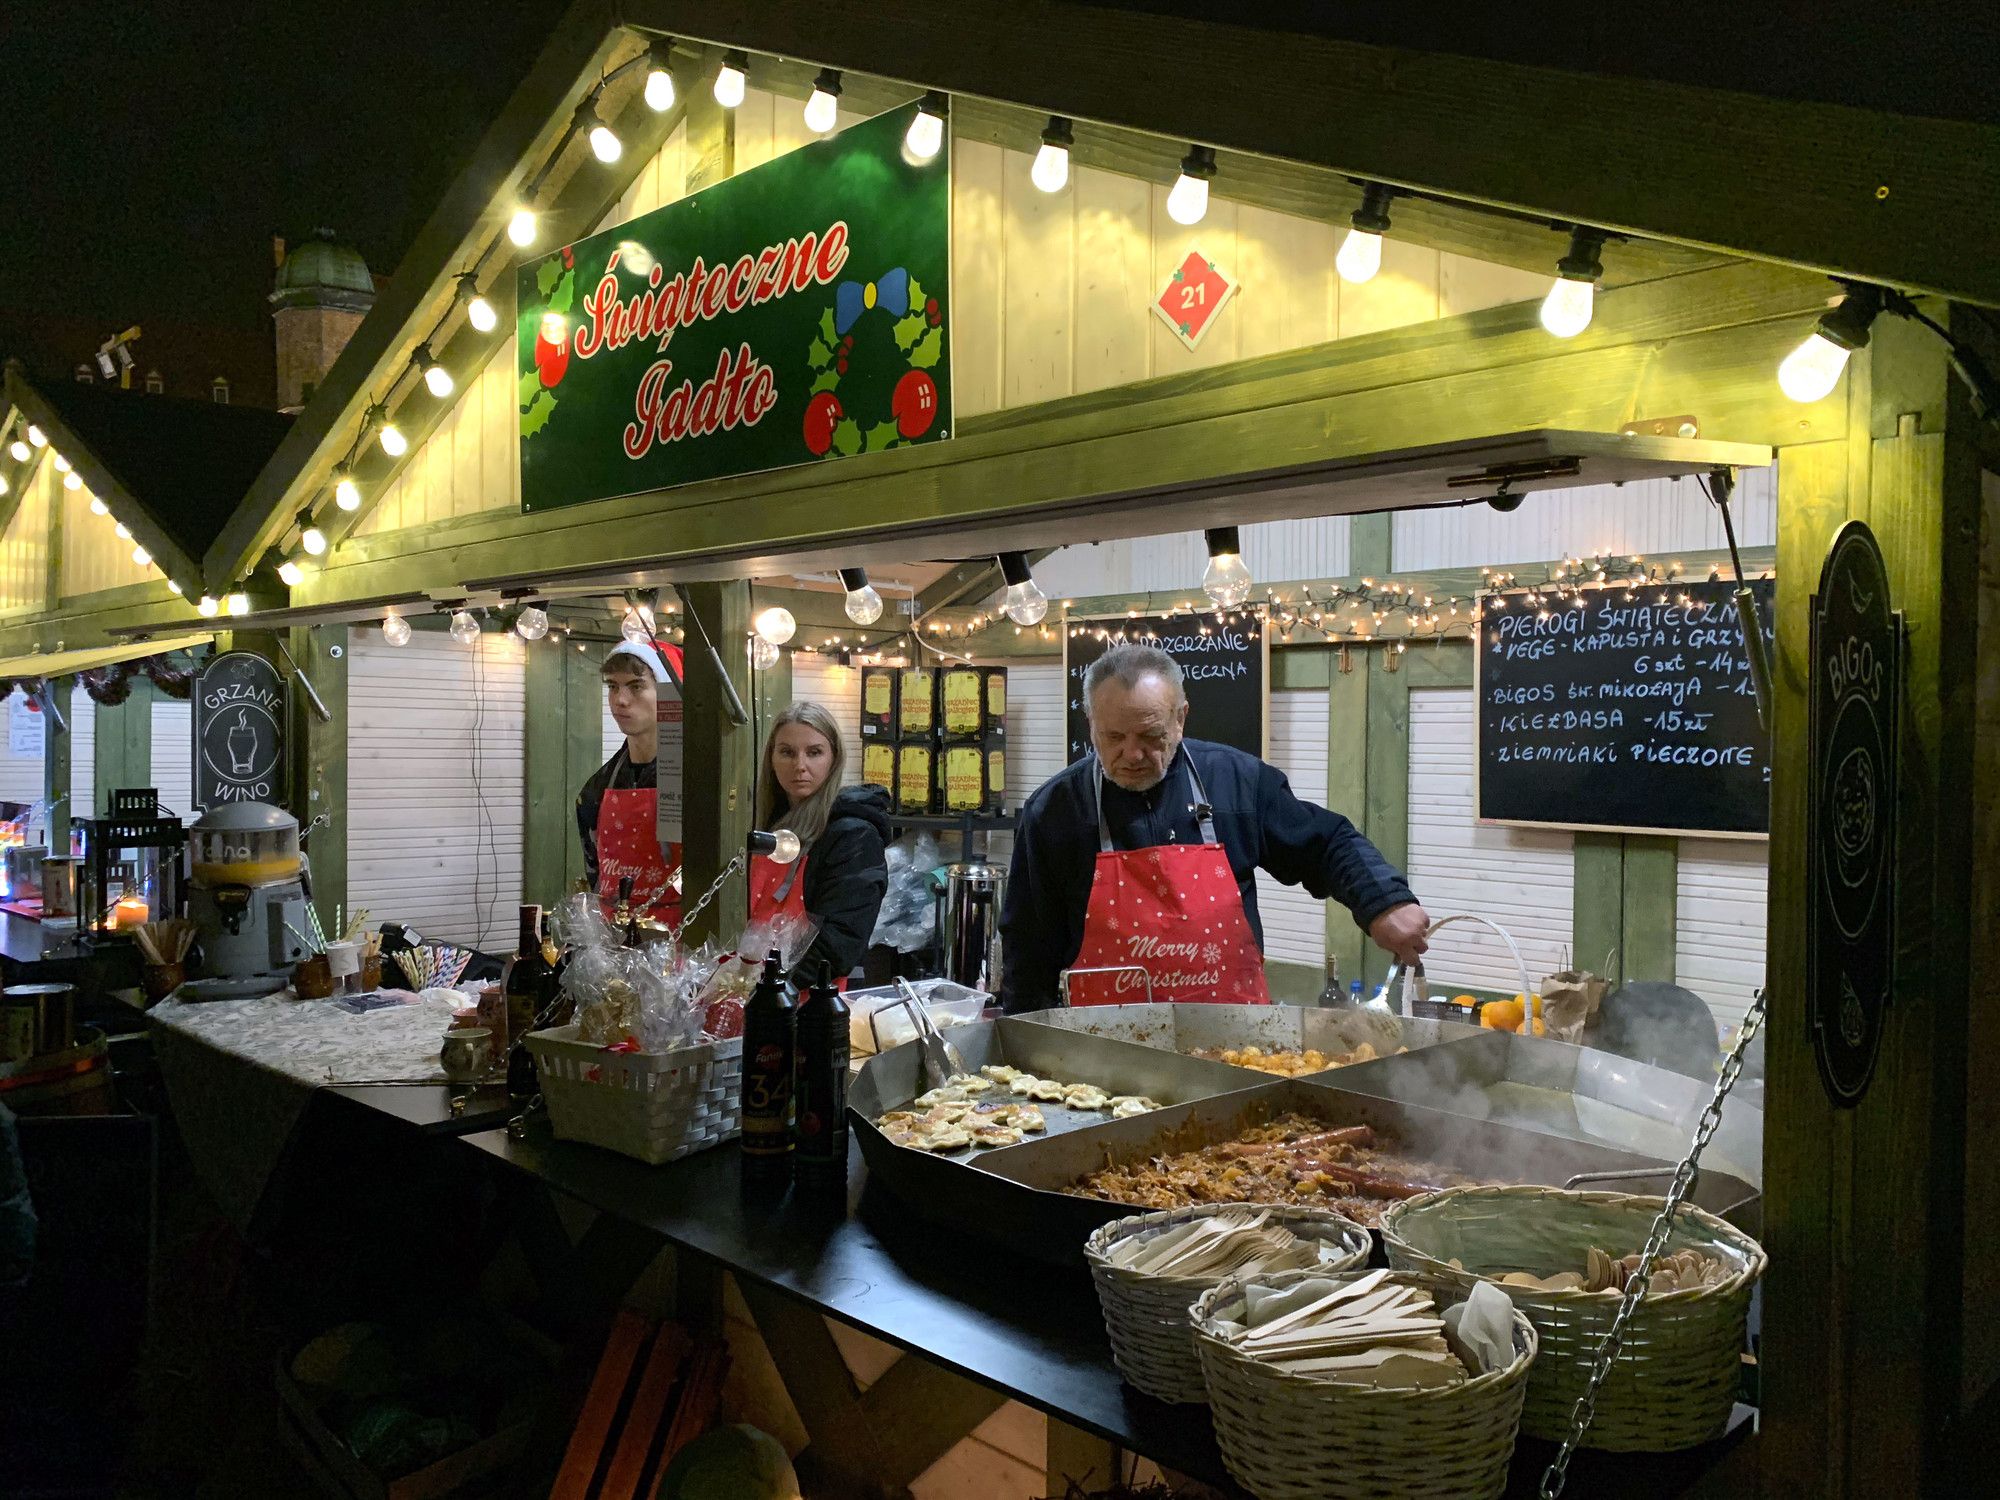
(521, 228)
(1566, 309)
(823, 108)
(1024, 602)
(1360, 254)
(1226, 580)
(436, 376)
(660, 77)
(346, 493)
(1187, 202)
(395, 629)
(480, 313)
(776, 624)
(1811, 371)
(732, 78)
(532, 623)
(864, 605)
(1050, 172)
(925, 137)
(604, 142)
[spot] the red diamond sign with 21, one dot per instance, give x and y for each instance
(1194, 294)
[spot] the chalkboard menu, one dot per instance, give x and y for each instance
(1223, 659)
(1623, 713)
(239, 732)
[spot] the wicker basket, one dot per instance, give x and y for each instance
(1296, 1437)
(1147, 1316)
(655, 1106)
(1677, 1373)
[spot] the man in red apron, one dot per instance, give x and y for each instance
(617, 809)
(1143, 857)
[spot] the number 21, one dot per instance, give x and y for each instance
(1194, 296)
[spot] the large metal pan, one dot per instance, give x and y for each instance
(1287, 1028)
(1578, 1093)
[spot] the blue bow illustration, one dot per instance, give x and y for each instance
(853, 298)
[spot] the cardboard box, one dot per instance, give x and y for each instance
(916, 708)
(973, 776)
(878, 704)
(916, 770)
(972, 703)
(878, 765)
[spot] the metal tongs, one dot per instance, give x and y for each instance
(942, 1061)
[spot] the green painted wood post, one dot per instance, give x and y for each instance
(321, 653)
(1370, 545)
(548, 826)
(56, 750)
(1597, 913)
(122, 755)
(1649, 896)
(720, 756)
(582, 744)
(1387, 821)
(1347, 726)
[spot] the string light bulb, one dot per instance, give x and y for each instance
(637, 625)
(660, 77)
(1360, 254)
(310, 536)
(925, 137)
(732, 78)
(174, 586)
(3, 484)
(141, 557)
(436, 377)
(763, 655)
(290, 574)
(63, 465)
(532, 623)
(464, 627)
(1050, 172)
(346, 493)
(36, 436)
(72, 480)
(864, 604)
(1226, 580)
(604, 142)
(1187, 201)
(20, 450)
(395, 629)
(1023, 602)
(392, 440)
(1566, 309)
(1810, 372)
(236, 604)
(776, 624)
(479, 312)
(207, 607)
(823, 108)
(521, 227)
(124, 532)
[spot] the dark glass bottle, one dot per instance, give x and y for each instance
(768, 1047)
(528, 987)
(821, 1091)
(1330, 993)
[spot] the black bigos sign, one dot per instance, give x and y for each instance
(239, 732)
(1857, 660)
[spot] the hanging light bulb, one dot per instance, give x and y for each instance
(124, 532)
(1811, 371)
(1024, 602)
(98, 507)
(775, 624)
(174, 586)
(732, 78)
(660, 77)
(532, 623)
(63, 465)
(35, 436)
(763, 655)
(346, 493)
(464, 628)
(1226, 580)
(310, 536)
(478, 311)
(393, 442)
(604, 142)
(925, 137)
(521, 228)
(1566, 310)
(1360, 254)
(1187, 202)
(823, 108)
(237, 603)
(290, 574)
(1050, 172)
(207, 608)
(436, 377)
(864, 605)
(637, 626)
(72, 481)
(395, 629)
(3, 484)
(141, 557)
(20, 450)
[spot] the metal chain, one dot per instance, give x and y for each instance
(1585, 1410)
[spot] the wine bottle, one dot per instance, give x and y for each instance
(528, 990)
(1330, 993)
(821, 1090)
(768, 1047)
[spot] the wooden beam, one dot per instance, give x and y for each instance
(122, 746)
(548, 826)
(1649, 905)
(57, 750)
(1386, 813)
(1347, 767)
(582, 750)
(721, 757)
(322, 654)
(1699, 167)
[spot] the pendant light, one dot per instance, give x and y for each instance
(479, 312)
(1050, 172)
(604, 142)
(776, 624)
(864, 605)
(1360, 254)
(1187, 202)
(346, 493)
(290, 574)
(521, 228)
(310, 536)
(395, 629)
(925, 137)
(1811, 371)
(823, 108)
(1226, 580)
(464, 627)
(1567, 308)
(436, 377)
(660, 77)
(532, 623)
(732, 78)
(1024, 602)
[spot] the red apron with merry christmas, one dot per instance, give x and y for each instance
(1172, 910)
(628, 844)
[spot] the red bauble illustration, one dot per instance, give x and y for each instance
(551, 359)
(914, 404)
(822, 415)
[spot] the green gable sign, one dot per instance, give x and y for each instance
(794, 313)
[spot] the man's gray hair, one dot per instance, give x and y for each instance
(1127, 663)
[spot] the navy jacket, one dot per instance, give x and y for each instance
(1257, 819)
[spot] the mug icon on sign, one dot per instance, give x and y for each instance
(242, 743)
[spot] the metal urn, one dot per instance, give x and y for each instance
(247, 899)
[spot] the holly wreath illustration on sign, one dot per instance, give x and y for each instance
(878, 343)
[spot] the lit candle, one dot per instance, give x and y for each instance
(129, 911)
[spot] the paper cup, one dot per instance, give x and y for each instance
(344, 959)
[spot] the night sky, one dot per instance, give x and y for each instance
(152, 149)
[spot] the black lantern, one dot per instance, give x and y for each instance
(131, 870)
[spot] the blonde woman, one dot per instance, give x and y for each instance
(839, 879)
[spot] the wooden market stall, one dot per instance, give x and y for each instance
(1078, 413)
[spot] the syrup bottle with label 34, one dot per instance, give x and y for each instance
(768, 1069)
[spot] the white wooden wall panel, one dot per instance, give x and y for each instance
(1720, 917)
(82, 753)
(435, 783)
(1653, 518)
(1295, 922)
(1275, 551)
(173, 754)
(1037, 729)
(1521, 878)
(469, 464)
(20, 775)
(823, 680)
(24, 550)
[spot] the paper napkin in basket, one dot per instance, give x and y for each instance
(1481, 1329)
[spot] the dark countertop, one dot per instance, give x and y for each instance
(1028, 1329)
(23, 940)
(428, 1106)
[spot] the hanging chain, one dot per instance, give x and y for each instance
(1585, 1410)
(714, 890)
